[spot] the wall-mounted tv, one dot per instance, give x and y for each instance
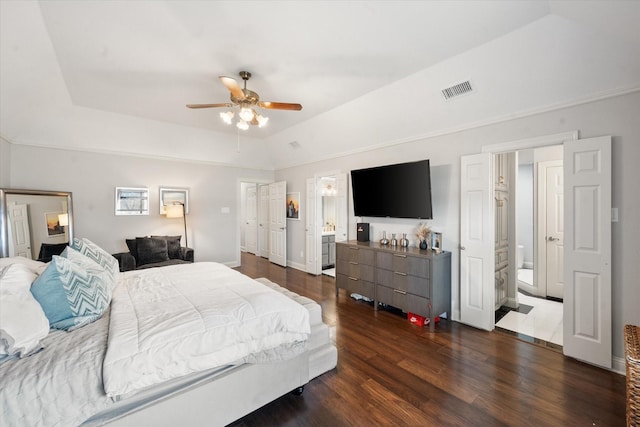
(397, 191)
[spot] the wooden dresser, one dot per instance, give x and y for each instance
(410, 279)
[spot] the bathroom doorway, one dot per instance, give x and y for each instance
(529, 203)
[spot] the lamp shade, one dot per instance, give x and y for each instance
(174, 211)
(63, 219)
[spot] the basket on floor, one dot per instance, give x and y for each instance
(632, 359)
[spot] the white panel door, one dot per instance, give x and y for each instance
(263, 221)
(342, 208)
(554, 233)
(278, 223)
(587, 250)
(476, 242)
(251, 231)
(311, 230)
(20, 241)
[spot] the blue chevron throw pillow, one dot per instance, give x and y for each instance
(89, 249)
(72, 292)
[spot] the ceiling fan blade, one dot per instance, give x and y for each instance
(280, 105)
(226, 104)
(233, 87)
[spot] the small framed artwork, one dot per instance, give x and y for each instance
(54, 228)
(436, 242)
(132, 201)
(173, 196)
(293, 206)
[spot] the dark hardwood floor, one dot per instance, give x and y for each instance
(393, 373)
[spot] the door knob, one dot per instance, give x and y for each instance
(551, 239)
(462, 248)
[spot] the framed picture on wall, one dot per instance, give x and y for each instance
(132, 201)
(173, 196)
(293, 206)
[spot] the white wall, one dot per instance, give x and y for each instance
(92, 179)
(615, 116)
(5, 164)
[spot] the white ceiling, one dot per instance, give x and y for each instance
(115, 75)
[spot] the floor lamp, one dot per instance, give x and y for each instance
(177, 210)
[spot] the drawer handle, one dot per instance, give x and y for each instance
(353, 263)
(399, 273)
(398, 291)
(353, 249)
(352, 278)
(400, 255)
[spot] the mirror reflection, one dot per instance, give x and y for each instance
(35, 224)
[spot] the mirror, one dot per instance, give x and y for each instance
(31, 218)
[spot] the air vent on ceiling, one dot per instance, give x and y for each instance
(294, 144)
(457, 90)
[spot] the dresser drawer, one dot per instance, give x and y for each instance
(355, 254)
(354, 285)
(392, 297)
(403, 282)
(403, 301)
(355, 270)
(403, 263)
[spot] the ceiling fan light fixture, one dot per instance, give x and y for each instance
(242, 125)
(227, 117)
(262, 120)
(246, 114)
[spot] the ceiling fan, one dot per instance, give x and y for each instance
(246, 100)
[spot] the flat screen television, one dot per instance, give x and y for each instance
(396, 191)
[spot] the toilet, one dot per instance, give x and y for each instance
(520, 256)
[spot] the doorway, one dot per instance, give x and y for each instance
(328, 212)
(529, 219)
(327, 194)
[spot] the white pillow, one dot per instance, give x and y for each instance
(22, 321)
(33, 265)
(16, 278)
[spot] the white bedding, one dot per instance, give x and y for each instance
(59, 386)
(176, 320)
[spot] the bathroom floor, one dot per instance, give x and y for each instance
(541, 322)
(330, 272)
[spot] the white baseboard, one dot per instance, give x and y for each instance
(618, 365)
(297, 265)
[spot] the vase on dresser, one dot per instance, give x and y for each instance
(423, 245)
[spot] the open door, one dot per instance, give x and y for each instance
(251, 230)
(587, 257)
(311, 230)
(20, 241)
(263, 221)
(476, 242)
(342, 208)
(278, 223)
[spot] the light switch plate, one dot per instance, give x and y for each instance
(225, 210)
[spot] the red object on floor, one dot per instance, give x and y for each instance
(416, 319)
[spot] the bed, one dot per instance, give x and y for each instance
(191, 344)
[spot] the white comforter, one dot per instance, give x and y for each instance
(176, 320)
